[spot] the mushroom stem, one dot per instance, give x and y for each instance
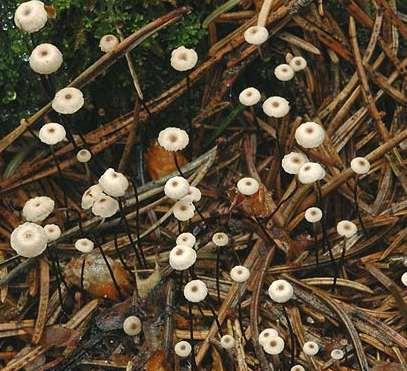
(357, 209)
(109, 269)
(137, 250)
(215, 317)
(189, 113)
(284, 199)
(191, 335)
(60, 176)
(83, 270)
(218, 273)
(177, 164)
(315, 233)
(340, 264)
(58, 279)
(292, 338)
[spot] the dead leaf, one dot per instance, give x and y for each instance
(160, 162)
(157, 362)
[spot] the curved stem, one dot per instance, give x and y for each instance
(217, 273)
(109, 268)
(215, 317)
(284, 199)
(340, 263)
(292, 338)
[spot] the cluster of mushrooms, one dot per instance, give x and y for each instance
(104, 198)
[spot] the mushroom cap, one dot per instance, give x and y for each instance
(195, 291)
(68, 100)
(182, 257)
(280, 291)
(38, 208)
(284, 72)
(249, 96)
(52, 133)
(293, 161)
(256, 35)
(183, 59)
(173, 139)
(276, 106)
(31, 16)
(113, 183)
(176, 187)
(28, 240)
(45, 59)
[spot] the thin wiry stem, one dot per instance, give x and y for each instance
(218, 273)
(340, 264)
(110, 269)
(357, 209)
(138, 252)
(292, 338)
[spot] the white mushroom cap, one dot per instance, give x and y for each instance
(404, 279)
(28, 240)
(31, 16)
(195, 291)
(310, 348)
(193, 195)
(337, 354)
(132, 325)
(68, 101)
(284, 72)
(183, 59)
(311, 172)
(227, 342)
(52, 133)
(220, 239)
(182, 257)
(38, 209)
(186, 239)
(310, 135)
(239, 273)
(83, 155)
(293, 161)
(266, 335)
(256, 35)
(90, 196)
(313, 214)
(108, 43)
(298, 63)
(297, 368)
(84, 245)
(249, 97)
(183, 349)
(105, 206)
(183, 210)
(345, 228)
(45, 59)
(114, 183)
(173, 139)
(360, 165)
(280, 291)
(176, 187)
(274, 346)
(52, 231)
(276, 107)
(247, 186)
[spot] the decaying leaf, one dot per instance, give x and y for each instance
(259, 204)
(157, 362)
(96, 278)
(160, 162)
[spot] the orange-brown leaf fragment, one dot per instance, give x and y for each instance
(157, 362)
(160, 162)
(96, 278)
